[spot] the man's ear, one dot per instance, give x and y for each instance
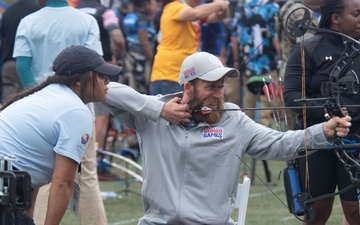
(188, 88)
(188, 92)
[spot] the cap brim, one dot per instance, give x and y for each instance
(108, 69)
(218, 73)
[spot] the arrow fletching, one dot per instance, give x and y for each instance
(266, 90)
(272, 90)
(281, 92)
(205, 110)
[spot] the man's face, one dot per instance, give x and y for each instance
(211, 95)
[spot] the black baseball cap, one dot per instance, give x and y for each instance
(79, 59)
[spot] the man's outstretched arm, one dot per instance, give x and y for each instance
(122, 98)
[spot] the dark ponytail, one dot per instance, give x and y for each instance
(329, 8)
(68, 81)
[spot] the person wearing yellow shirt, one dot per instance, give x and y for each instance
(180, 35)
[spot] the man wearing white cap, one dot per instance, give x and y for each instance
(190, 170)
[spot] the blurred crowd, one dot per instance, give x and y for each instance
(150, 39)
(232, 39)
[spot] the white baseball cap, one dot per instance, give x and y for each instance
(204, 66)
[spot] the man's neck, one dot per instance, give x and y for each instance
(191, 124)
(57, 3)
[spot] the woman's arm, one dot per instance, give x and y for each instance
(122, 98)
(61, 189)
(202, 11)
(34, 193)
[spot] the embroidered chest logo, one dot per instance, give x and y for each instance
(328, 58)
(214, 132)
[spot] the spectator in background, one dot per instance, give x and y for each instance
(234, 87)
(3, 7)
(111, 36)
(156, 21)
(15, 12)
(39, 38)
(73, 3)
(313, 4)
(113, 46)
(122, 8)
(254, 41)
(179, 30)
(140, 36)
(287, 42)
(213, 39)
(34, 55)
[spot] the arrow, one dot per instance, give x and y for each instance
(207, 110)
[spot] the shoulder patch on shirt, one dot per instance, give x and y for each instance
(214, 132)
(85, 139)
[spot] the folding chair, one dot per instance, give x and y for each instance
(241, 200)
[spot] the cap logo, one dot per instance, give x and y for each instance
(189, 73)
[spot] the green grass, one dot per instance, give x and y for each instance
(263, 207)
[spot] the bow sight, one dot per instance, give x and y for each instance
(342, 80)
